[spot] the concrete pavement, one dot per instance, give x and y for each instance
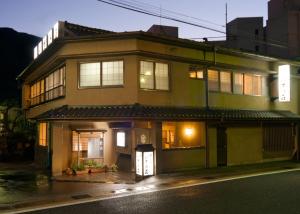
(63, 193)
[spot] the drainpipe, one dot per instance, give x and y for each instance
(207, 162)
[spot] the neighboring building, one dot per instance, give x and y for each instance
(98, 94)
(283, 27)
(246, 34)
(280, 37)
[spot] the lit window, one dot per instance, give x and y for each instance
(121, 139)
(213, 80)
(182, 134)
(252, 85)
(147, 75)
(43, 134)
(225, 79)
(112, 73)
(238, 83)
(89, 74)
(161, 76)
(51, 87)
(196, 74)
(1, 116)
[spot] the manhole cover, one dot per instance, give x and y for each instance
(81, 196)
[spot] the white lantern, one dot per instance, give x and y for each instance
(144, 160)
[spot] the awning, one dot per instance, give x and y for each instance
(137, 111)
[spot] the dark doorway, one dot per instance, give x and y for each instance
(221, 146)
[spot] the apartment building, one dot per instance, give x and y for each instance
(97, 95)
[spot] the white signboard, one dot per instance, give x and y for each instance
(121, 139)
(284, 83)
(148, 163)
(47, 40)
(139, 163)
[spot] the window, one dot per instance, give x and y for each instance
(238, 83)
(121, 139)
(49, 88)
(154, 80)
(252, 85)
(213, 80)
(146, 75)
(43, 134)
(162, 76)
(89, 74)
(225, 81)
(182, 135)
(109, 73)
(112, 73)
(1, 116)
(196, 74)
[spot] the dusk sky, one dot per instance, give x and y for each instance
(37, 17)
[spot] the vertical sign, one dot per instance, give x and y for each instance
(139, 163)
(284, 83)
(35, 52)
(50, 37)
(45, 43)
(148, 163)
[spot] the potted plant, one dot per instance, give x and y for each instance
(79, 169)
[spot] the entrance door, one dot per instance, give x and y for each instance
(221, 146)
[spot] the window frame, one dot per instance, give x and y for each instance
(44, 94)
(45, 140)
(101, 74)
(154, 76)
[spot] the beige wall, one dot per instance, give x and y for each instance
(182, 159)
(244, 145)
(183, 90)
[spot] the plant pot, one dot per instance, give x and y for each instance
(82, 172)
(96, 170)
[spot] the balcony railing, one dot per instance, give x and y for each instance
(52, 94)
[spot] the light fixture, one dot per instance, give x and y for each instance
(188, 132)
(144, 160)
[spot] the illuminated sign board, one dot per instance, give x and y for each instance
(284, 83)
(53, 34)
(139, 163)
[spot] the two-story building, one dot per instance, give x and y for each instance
(97, 94)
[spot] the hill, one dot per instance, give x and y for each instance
(16, 53)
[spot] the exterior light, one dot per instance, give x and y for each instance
(188, 132)
(284, 83)
(143, 80)
(121, 139)
(144, 162)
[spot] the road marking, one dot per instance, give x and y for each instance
(150, 190)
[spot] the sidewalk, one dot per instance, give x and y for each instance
(85, 190)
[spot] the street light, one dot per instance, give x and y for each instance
(144, 163)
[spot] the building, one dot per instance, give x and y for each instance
(283, 27)
(280, 37)
(246, 34)
(98, 94)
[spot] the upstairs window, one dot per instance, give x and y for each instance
(252, 85)
(89, 74)
(99, 74)
(154, 75)
(225, 81)
(238, 85)
(213, 80)
(48, 88)
(112, 73)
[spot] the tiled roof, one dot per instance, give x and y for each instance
(138, 111)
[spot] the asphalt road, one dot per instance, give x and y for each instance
(276, 193)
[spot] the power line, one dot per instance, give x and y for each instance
(136, 8)
(121, 5)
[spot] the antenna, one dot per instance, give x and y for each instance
(226, 18)
(160, 15)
